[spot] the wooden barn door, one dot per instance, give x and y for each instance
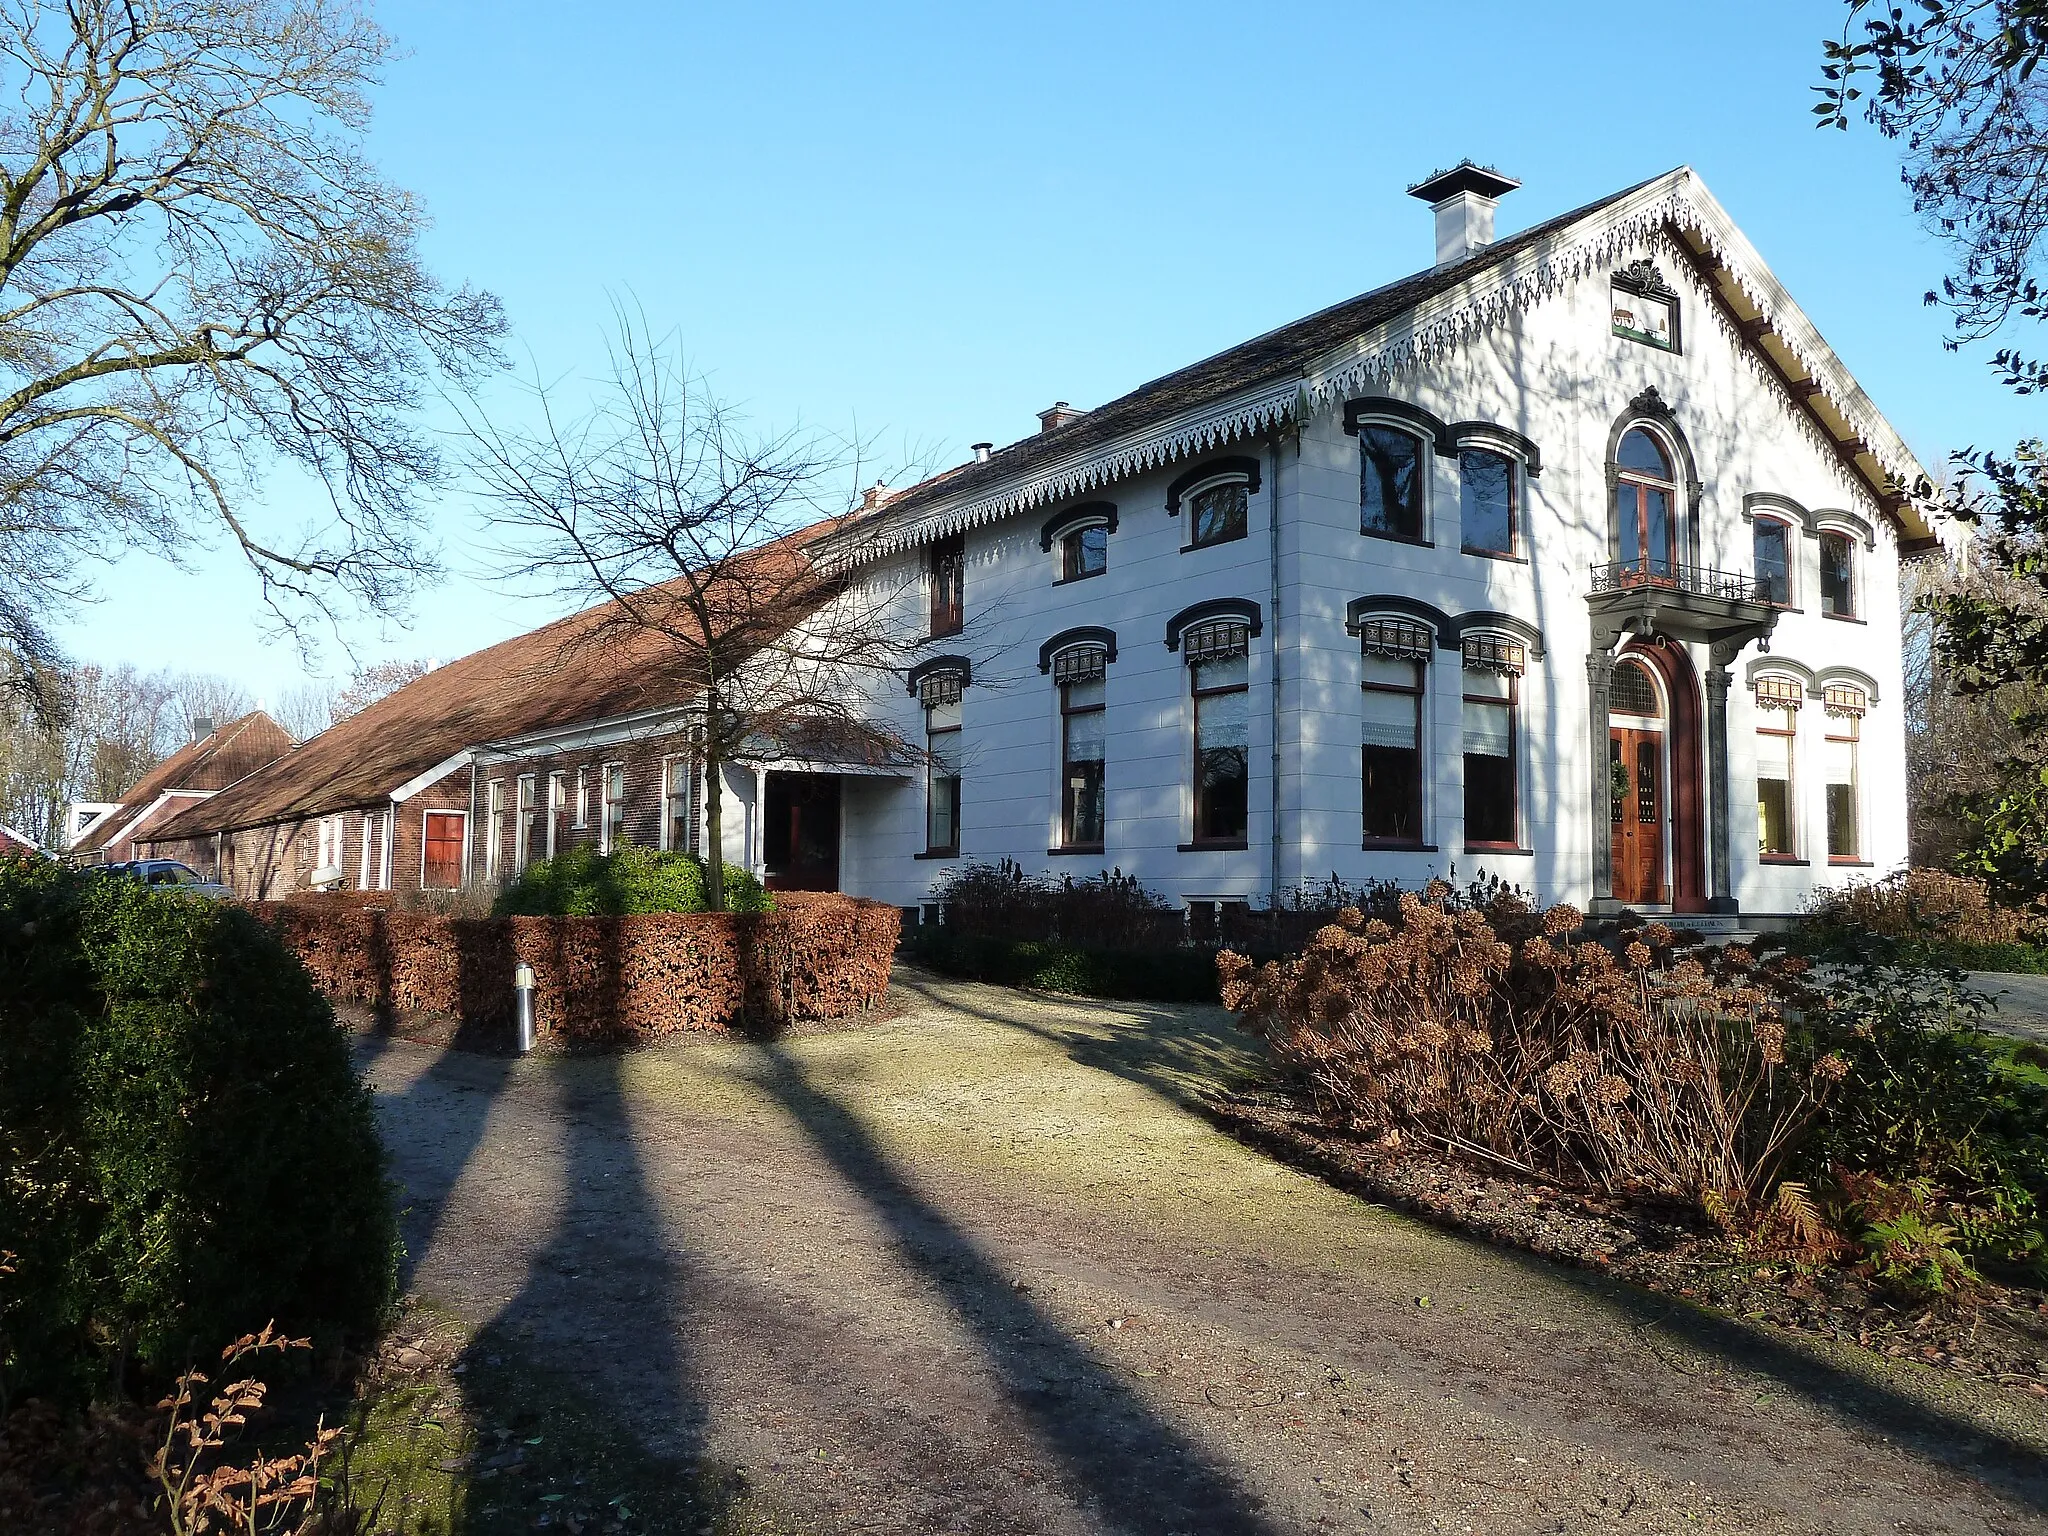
(443, 869)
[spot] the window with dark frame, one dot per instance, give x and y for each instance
(1645, 494)
(1219, 513)
(1645, 306)
(1486, 502)
(948, 577)
(1390, 482)
(1837, 576)
(527, 824)
(1777, 729)
(940, 693)
(1390, 754)
(1080, 677)
(1844, 709)
(683, 801)
(1084, 552)
(1218, 657)
(1771, 554)
(1492, 676)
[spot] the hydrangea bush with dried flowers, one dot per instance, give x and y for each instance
(1500, 1033)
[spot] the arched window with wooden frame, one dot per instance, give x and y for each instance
(1645, 506)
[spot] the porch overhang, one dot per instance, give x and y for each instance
(1722, 610)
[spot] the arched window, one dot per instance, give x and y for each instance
(1645, 506)
(1391, 478)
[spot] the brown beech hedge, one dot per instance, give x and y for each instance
(602, 981)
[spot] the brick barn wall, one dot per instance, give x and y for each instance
(645, 799)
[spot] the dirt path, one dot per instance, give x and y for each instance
(979, 1269)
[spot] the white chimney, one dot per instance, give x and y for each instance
(1463, 199)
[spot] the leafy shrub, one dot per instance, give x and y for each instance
(626, 882)
(186, 1151)
(1182, 975)
(1931, 1104)
(1921, 904)
(1498, 1034)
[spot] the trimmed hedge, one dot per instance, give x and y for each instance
(1181, 975)
(604, 981)
(186, 1151)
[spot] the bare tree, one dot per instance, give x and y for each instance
(373, 682)
(728, 558)
(201, 277)
(307, 710)
(207, 698)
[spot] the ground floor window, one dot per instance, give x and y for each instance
(1223, 716)
(1390, 758)
(1491, 813)
(528, 822)
(1777, 728)
(942, 776)
(682, 804)
(612, 834)
(558, 801)
(494, 798)
(1082, 755)
(1839, 759)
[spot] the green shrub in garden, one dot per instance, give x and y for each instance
(186, 1151)
(585, 883)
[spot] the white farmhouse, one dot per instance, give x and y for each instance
(1572, 560)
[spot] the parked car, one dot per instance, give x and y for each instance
(169, 872)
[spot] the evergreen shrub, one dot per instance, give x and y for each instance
(627, 882)
(186, 1151)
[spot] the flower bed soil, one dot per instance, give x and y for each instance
(2000, 1334)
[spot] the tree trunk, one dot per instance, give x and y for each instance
(714, 823)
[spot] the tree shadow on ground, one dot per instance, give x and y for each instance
(1182, 1052)
(1120, 1458)
(588, 1304)
(1187, 1055)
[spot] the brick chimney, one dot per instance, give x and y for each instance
(1463, 199)
(1057, 415)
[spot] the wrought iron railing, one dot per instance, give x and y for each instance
(1676, 576)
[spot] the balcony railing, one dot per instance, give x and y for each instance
(1676, 576)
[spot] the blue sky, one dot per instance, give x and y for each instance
(930, 222)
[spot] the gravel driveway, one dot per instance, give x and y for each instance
(979, 1268)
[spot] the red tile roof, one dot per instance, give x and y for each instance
(221, 757)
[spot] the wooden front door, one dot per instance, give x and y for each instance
(800, 827)
(1636, 800)
(442, 870)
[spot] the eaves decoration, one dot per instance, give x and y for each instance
(1647, 219)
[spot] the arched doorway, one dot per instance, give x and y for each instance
(1655, 797)
(1638, 780)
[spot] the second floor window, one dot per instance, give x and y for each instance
(1219, 514)
(1390, 482)
(1084, 552)
(949, 586)
(1487, 501)
(1772, 552)
(1391, 754)
(1837, 576)
(1644, 494)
